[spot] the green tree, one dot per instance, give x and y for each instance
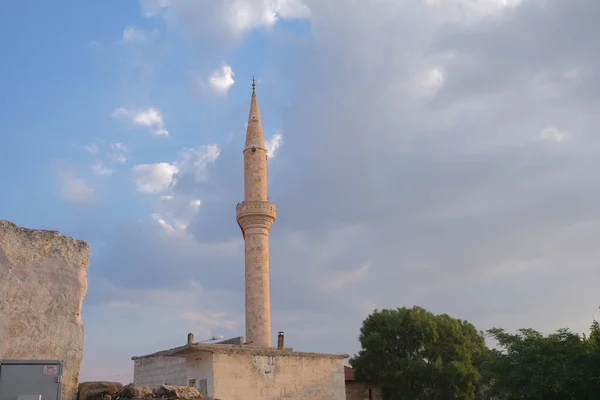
(417, 355)
(560, 366)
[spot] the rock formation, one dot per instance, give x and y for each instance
(97, 390)
(43, 283)
(132, 391)
(116, 391)
(177, 392)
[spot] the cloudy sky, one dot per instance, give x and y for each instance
(441, 153)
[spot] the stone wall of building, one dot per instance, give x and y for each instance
(43, 283)
(200, 372)
(155, 371)
(360, 391)
(285, 376)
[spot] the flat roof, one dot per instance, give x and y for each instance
(216, 348)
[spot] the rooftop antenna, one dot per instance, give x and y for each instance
(218, 337)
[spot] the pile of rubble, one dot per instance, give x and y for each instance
(116, 391)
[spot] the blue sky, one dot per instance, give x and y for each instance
(422, 153)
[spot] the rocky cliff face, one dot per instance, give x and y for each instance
(43, 283)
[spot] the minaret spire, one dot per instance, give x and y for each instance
(255, 215)
(254, 132)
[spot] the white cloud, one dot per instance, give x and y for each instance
(176, 213)
(150, 118)
(119, 153)
(545, 88)
(194, 162)
(95, 45)
(154, 178)
(158, 177)
(195, 203)
(573, 74)
(177, 209)
(91, 148)
(553, 134)
(293, 9)
(273, 144)
(199, 309)
(152, 8)
(471, 11)
(431, 81)
(100, 169)
(73, 188)
(232, 18)
(241, 16)
(76, 190)
(344, 279)
(210, 320)
(221, 80)
(131, 34)
(162, 222)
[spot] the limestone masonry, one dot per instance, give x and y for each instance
(255, 215)
(242, 372)
(293, 376)
(43, 283)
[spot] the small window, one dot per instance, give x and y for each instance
(192, 383)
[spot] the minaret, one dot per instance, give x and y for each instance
(255, 215)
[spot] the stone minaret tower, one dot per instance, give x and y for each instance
(255, 215)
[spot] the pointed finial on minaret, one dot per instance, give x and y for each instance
(253, 85)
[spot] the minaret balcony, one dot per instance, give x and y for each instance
(256, 208)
